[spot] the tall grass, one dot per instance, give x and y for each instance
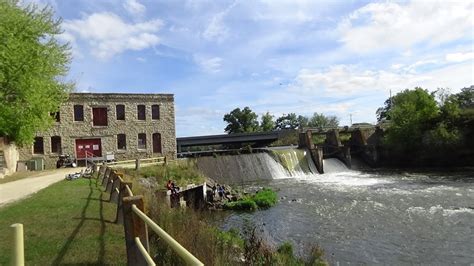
(190, 228)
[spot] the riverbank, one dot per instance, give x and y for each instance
(192, 229)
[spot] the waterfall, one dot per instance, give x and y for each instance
(272, 164)
(275, 163)
(295, 161)
(333, 165)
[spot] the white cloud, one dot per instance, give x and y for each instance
(460, 57)
(134, 7)
(209, 64)
(286, 11)
(216, 29)
(379, 26)
(107, 34)
(347, 80)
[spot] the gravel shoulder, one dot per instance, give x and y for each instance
(16, 190)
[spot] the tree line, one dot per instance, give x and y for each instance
(245, 120)
(422, 122)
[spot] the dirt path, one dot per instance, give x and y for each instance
(15, 190)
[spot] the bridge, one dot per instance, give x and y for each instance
(259, 139)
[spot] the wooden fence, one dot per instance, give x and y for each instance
(131, 213)
(137, 163)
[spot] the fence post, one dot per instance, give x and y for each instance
(115, 185)
(101, 172)
(106, 175)
(110, 181)
(18, 258)
(137, 164)
(122, 193)
(133, 227)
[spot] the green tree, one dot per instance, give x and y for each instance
(412, 113)
(267, 123)
(466, 98)
(240, 121)
(33, 64)
(320, 120)
(303, 121)
(383, 112)
(289, 121)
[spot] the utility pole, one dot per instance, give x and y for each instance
(350, 115)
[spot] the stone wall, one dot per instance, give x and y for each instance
(70, 130)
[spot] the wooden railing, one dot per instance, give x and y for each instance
(137, 163)
(131, 213)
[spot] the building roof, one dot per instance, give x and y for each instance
(121, 96)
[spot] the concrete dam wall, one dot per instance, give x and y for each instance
(272, 164)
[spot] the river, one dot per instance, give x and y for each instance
(371, 217)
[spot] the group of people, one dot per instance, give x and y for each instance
(220, 191)
(172, 187)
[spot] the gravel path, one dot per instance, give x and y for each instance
(15, 190)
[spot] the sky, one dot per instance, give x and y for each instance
(340, 58)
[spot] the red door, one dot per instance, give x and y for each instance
(91, 146)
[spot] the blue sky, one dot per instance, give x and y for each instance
(335, 57)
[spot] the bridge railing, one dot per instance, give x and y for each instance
(131, 213)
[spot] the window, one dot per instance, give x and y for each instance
(121, 142)
(56, 116)
(156, 143)
(120, 110)
(141, 112)
(141, 141)
(78, 113)
(38, 146)
(99, 116)
(155, 112)
(55, 144)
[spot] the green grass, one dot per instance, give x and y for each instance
(182, 172)
(263, 199)
(66, 223)
(241, 205)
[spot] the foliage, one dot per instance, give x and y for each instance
(257, 252)
(466, 97)
(320, 120)
(267, 123)
(246, 204)
(240, 121)
(289, 121)
(33, 64)
(383, 112)
(412, 113)
(303, 121)
(289, 138)
(441, 136)
(181, 172)
(265, 198)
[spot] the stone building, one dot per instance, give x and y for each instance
(127, 126)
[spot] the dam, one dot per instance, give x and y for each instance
(357, 216)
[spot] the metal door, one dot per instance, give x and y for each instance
(91, 146)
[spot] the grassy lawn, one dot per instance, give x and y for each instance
(66, 223)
